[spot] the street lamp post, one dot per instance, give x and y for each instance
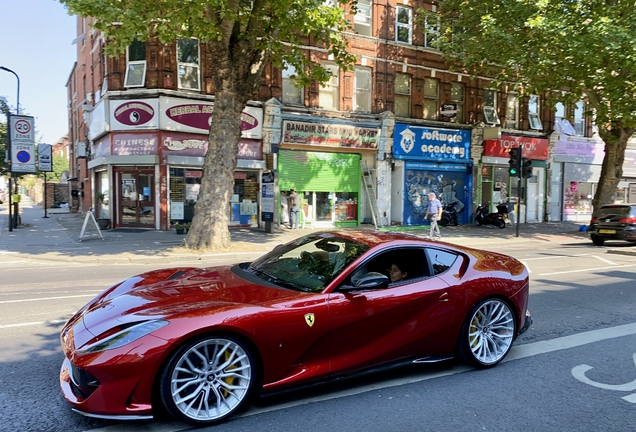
(17, 112)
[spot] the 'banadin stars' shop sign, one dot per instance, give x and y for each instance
(429, 143)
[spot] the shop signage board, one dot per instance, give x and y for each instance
(430, 143)
(134, 114)
(330, 135)
(533, 148)
(22, 145)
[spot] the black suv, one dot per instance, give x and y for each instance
(613, 222)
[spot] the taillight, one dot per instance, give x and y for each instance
(628, 220)
(594, 220)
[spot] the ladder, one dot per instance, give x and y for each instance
(369, 187)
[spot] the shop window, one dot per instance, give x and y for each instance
(512, 111)
(362, 84)
(188, 64)
(402, 106)
(457, 98)
(403, 24)
(329, 94)
(490, 107)
(431, 31)
(362, 21)
(533, 113)
(292, 94)
(579, 119)
(136, 64)
(431, 99)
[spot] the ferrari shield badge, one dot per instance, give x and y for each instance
(309, 319)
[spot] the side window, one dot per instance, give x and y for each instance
(441, 260)
(399, 265)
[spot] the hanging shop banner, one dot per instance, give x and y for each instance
(187, 115)
(98, 124)
(267, 197)
(581, 150)
(330, 135)
(533, 148)
(22, 144)
(132, 114)
(429, 143)
(45, 157)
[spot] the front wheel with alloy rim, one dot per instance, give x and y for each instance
(487, 333)
(208, 379)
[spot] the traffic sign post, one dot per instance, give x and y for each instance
(22, 131)
(45, 164)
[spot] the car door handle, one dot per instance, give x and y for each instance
(444, 297)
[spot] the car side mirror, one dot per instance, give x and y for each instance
(372, 280)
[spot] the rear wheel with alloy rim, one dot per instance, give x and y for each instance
(487, 333)
(208, 379)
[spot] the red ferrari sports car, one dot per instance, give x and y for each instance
(202, 341)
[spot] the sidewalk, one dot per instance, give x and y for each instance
(56, 238)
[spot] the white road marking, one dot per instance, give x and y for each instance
(606, 261)
(578, 372)
(587, 270)
(555, 256)
(32, 324)
(630, 398)
(47, 298)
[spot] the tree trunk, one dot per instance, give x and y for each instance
(612, 169)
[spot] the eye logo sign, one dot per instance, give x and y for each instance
(134, 113)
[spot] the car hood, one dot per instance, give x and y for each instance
(177, 293)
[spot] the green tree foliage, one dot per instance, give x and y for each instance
(4, 109)
(575, 50)
(242, 37)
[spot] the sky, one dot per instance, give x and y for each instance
(36, 45)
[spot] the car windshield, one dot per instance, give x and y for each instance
(309, 263)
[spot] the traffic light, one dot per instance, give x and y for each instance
(515, 162)
(526, 168)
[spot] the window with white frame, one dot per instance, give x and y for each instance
(188, 64)
(328, 96)
(512, 111)
(292, 94)
(136, 64)
(431, 31)
(579, 119)
(431, 99)
(534, 120)
(490, 107)
(362, 21)
(403, 24)
(402, 106)
(457, 99)
(362, 85)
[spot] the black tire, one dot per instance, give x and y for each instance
(597, 241)
(185, 393)
(478, 330)
(445, 221)
(499, 223)
(477, 222)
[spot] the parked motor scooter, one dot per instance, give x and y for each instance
(449, 215)
(484, 217)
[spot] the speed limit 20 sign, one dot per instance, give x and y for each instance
(22, 145)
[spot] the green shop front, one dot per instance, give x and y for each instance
(322, 162)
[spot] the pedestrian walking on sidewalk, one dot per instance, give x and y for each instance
(434, 210)
(293, 201)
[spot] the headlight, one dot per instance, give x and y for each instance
(121, 336)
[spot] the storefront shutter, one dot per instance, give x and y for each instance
(319, 171)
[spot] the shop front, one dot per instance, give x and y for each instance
(322, 162)
(578, 160)
(497, 187)
(430, 159)
(147, 169)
